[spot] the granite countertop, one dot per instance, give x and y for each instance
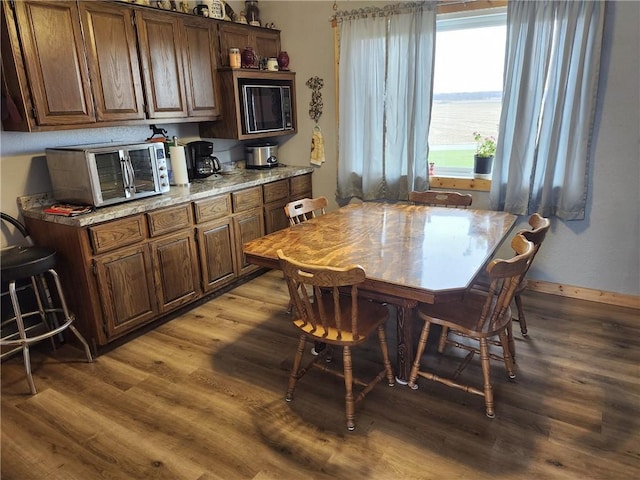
(33, 206)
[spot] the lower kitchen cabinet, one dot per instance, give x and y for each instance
(175, 264)
(247, 226)
(125, 283)
(275, 217)
(217, 254)
(121, 274)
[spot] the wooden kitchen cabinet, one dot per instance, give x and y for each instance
(124, 273)
(276, 196)
(216, 241)
(145, 265)
(44, 67)
(232, 123)
(248, 223)
(160, 45)
(247, 226)
(68, 64)
(265, 42)
(300, 187)
(200, 54)
(175, 265)
(175, 256)
(218, 262)
(112, 56)
(126, 288)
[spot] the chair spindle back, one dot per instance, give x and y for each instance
(302, 210)
(505, 276)
(315, 291)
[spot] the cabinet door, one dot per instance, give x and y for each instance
(217, 253)
(267, 43)
(233, 36)
(126, 286)
(160, 46)
(274, 216)
(300, 187)
(247, 226)
(54, 58)
(201, 67)
(112, 56)
(176, 270)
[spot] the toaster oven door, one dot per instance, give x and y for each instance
(125, 174)
(112, 177)
(143, 164)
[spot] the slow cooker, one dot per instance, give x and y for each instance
(264, 155)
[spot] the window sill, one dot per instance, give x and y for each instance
(460, 183)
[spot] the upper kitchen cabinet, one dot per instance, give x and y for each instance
(160, 45)
(84, 64)
(256, 104)
(265, 42)
(112, 55)
(45, 74)
(200, 67)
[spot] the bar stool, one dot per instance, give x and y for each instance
(34, 264)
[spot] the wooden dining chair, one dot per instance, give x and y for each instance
(299, 211)
(302, 210)
(324, 314)
(441, 198)
(479, 317)
(539, 228)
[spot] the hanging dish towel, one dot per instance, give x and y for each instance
(317, 147)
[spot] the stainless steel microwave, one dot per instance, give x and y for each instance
(106, 174)
(266, 105)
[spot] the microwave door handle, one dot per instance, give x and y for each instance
(126, 175)
(132, 175)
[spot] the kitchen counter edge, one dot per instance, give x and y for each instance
(33, 206)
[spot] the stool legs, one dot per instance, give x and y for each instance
(23, 334)
(25, 341)
(70, 317)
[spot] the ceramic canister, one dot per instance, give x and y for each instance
(272, 64)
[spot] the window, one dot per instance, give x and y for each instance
(467, 89)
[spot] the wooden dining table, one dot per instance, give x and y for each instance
(410, 253)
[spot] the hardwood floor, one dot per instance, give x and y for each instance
(202, 397)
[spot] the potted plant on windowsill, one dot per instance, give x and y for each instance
(483, 158)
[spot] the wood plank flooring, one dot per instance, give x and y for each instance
(202, 397)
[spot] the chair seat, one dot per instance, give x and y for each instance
(463, 316)
(371, 315)
(24, 262)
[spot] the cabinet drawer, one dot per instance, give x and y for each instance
(170, 219)
(300, 185)
(120, 233)
(247, 199)
(275, 191)
(212, 208)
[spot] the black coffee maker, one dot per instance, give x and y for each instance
(200, 160)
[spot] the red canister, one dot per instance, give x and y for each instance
(248, 58)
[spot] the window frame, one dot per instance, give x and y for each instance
(456, 19)
(460, 8)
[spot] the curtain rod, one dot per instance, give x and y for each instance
(384, 11)
(443, 6)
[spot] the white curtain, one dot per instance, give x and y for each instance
(386, 77)
(551, 81)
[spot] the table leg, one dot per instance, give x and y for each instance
(405, 352)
